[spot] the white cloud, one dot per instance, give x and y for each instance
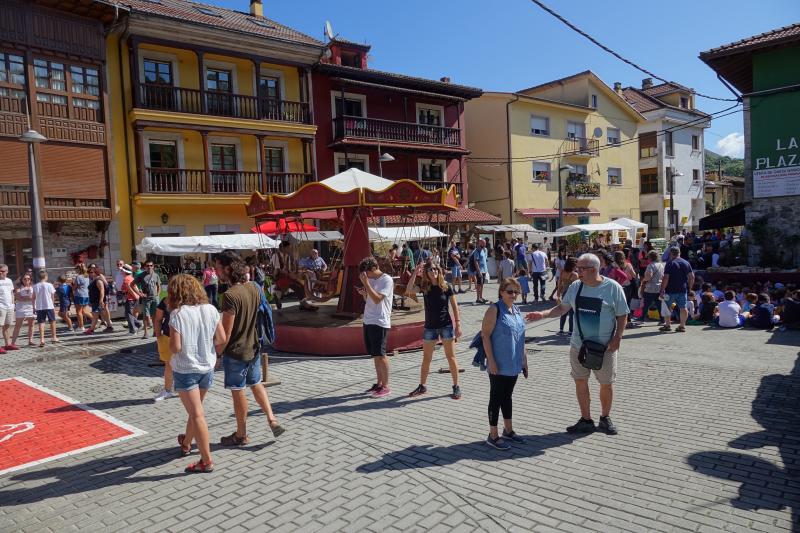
(732, 145)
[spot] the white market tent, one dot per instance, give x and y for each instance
(400, 234)
(606, 226)
(204, 244)
(633, 224)
(519, 228)
(315, 236)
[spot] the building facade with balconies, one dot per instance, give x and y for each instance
(671, 151)
(363, 113)
(520, 140)
(206, 119)
(53, 79)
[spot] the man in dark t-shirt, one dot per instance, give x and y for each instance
(678, 279)
(241, 357)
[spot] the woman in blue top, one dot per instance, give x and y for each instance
(81, 296)
(65, 301)
(503, 332)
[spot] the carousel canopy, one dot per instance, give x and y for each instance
(204, 244)
(355, 188)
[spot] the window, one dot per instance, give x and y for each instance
(695, 142)
(695, 175)
(431, 170)
(578, 172)
(576, 129)
(684, 102)
(650, 218)
(647, 144)
(18, 255)
(49, 75)
(158, 72)
(218, 80)
(540, 224)
(223, 158)
(429, 115)
(614, 176)
(274, 159)
(583, 220)
(163, 154)
(648, 181)
(540, 126)
(359, 161)
(163, 174)
(594, 101)
(612, 136)
(85, 81)
(270, 87)
(87, 104)
(12, 75)
(669, 148)
(51, 98)
(207, 11)
(351, 107)
(351, 59)
(541, 171)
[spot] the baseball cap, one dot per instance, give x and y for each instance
(136, 264)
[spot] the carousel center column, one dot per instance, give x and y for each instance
(351, 303)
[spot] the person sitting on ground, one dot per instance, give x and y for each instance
(750, 300)
(691, 304)
(763, 316)
(730, 312)
(708, 308)
(790, 316)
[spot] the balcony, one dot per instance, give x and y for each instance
(433, 185)
(581, 147)
(57, 122)
(191, 181)
(582, 189)
(168, 98)
(15, 206)
(392, 131)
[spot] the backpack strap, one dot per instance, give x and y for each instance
(577, 312)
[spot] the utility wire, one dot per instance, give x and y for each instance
(620, 57)
(505, 160)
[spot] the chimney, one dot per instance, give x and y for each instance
(617, 87)
(647, 83)
(256, 8)
(445, 79)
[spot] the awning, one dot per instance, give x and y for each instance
(606, 226)
(401, 234)
(502, 228)
(733, 216)
(568, 211)
(204, 244)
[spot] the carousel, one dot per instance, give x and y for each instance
(334, 326)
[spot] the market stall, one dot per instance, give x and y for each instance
(638, 230)
(204, 244)
(615, 229)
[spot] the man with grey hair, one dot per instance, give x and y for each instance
(677, 281)
(601, 312)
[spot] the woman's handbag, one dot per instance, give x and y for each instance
(591, 353)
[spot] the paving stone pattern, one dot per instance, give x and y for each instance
(708, 441)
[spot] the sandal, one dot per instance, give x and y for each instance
(185, 450)
(680, 329)
(199, 468)
(277, 429)
(234, 440)
(665, 328)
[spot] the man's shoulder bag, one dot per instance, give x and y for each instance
(591, 353)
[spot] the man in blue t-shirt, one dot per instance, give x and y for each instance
(677, 281)
(521, 252)
(601, 312)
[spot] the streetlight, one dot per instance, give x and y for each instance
(34, 137)
(383, 158)
(672, 174)
(560, 196)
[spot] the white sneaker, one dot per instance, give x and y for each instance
(163, 395)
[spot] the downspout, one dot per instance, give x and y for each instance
(126, 138)
(508, 165)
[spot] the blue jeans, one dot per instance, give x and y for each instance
(241, 374)
(564, 319)
(539, 278)
(133, 324)
(211, 292)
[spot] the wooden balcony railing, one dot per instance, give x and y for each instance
(582, 146)
(390, 130)
(11, 104)
(14, 196)
(433, 185)
(168, 98)
(191, 181)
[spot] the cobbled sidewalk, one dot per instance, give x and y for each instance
(709, 441)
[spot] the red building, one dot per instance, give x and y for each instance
(363, 113)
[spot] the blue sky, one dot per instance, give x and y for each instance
(508, 45)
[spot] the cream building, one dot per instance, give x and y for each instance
(520, 140)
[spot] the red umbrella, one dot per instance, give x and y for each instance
(281, 226)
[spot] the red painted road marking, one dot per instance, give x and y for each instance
(38, 425)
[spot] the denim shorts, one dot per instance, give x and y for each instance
(241, 374)
(455, 272)
(187, 382)
(678, 298)
(81, 301)
(434, 334)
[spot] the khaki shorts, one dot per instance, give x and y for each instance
(605, 376)
(6, 317)
(164, 352)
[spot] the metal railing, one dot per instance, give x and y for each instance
(390, 130)
(433, 185)
(199, 181)
(168, 98)
(582, 146)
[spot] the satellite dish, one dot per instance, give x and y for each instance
(328, 30)
(598, 132)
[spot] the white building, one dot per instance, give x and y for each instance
(670, 144)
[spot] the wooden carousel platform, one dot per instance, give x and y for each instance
(322, 333)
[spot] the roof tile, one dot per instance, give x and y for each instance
(790, 32)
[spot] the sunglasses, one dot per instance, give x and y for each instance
(433, 270)
(512, 292)
(584, 268)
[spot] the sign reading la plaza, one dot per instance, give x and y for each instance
(778, 174)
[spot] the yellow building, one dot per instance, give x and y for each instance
(208, 105)
(520, 140)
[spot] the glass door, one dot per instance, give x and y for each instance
(164, 175)
(270, 90)
(18, 255)
(275, 165)
(219, 92)
(223, 168)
